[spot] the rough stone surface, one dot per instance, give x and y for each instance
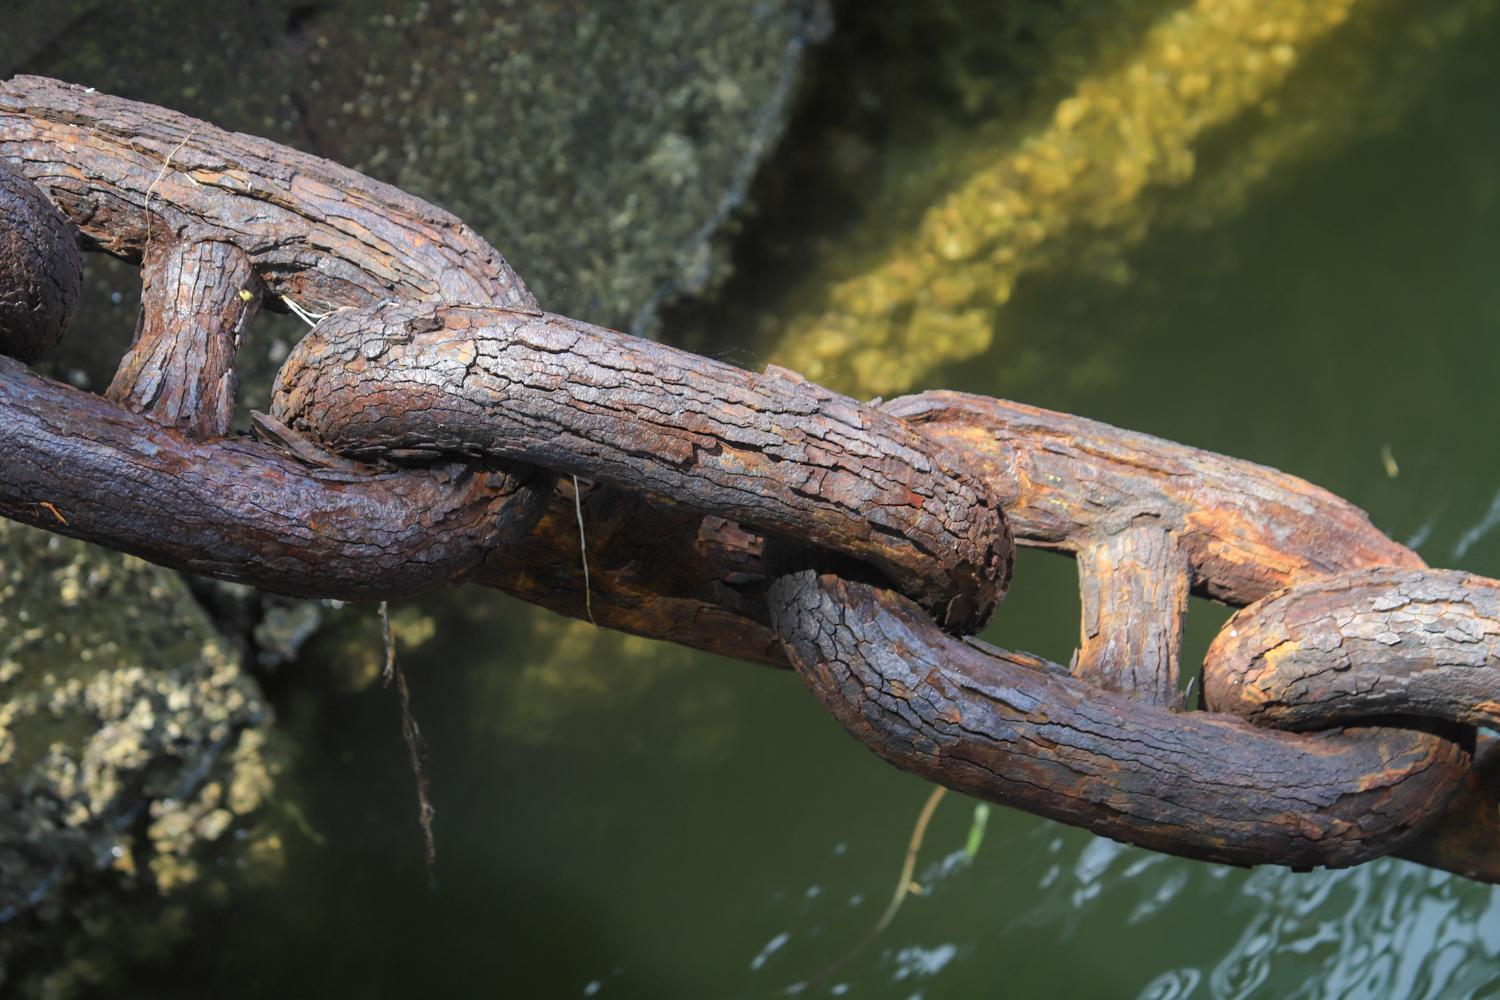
(598, 146)
(130, 743)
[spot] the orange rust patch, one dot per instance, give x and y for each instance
(949, 712)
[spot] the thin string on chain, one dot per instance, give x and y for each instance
(165, 165)
(583, 554)
(416, 746)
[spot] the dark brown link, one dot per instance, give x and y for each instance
(321, 234)
(243, 511)
(1381, 642)
(772, 452)
(1071, 483)
(1022, 732)
(196, 301)
(41, 273)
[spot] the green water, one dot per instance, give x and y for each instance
(681, 826)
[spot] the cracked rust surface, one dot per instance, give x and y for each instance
(1382, 642)
(1015, 729)
(197, 300)
(434, 366)
(1133, 585)
(772, 452)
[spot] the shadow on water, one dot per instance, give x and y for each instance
(355, 912)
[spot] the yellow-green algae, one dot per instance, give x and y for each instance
(1219, 92)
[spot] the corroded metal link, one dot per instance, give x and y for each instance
(324, 235)
(1359, 646)
(41, 273)
(1025, 733)
(1136, 509)
(772, 452)
(240, 510)
(434, 349)
(219, 217)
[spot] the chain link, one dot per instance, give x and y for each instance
(416, 436)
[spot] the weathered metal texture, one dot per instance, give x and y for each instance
(1462, 839)
(41, 273)
(697, 467)
(1068, 484)
(1017, 730)
(656, 569)
(1134, 589)
(1065, 481)
(236, 509)
(143, 182)
(772, 452)
(967, 717)
(197, 300)
(1378, 643)
(317, 232)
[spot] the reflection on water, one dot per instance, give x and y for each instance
(1141, 143)
(1479, 531)
(1388, 929)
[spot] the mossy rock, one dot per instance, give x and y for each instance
(131, 744)
(600, 147)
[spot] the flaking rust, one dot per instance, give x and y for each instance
(418, 432)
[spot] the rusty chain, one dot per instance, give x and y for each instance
(430, 426)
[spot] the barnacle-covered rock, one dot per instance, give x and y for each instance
(132, 746)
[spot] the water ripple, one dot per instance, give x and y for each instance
(1387, 929)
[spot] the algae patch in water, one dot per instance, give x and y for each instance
(1211, 100)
